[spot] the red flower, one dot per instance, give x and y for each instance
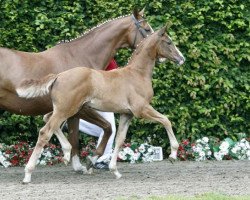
(8, 151)
(185, 142)
(181, 148)
(84, 154)
(14, 161)
(127, 145)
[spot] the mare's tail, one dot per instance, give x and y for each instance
(34, 88)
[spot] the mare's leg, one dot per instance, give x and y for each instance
(66, 146)
(73, 127)
(44, 136)
(93, 117)
(110, 117)
(148, 112)
(125, 119)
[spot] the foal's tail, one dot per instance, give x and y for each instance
(34, 88)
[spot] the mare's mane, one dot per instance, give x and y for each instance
(87, 32)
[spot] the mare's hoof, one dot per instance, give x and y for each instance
(25, 182)
(172, 160)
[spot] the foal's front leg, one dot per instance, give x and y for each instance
(148, 112)
(124, 122)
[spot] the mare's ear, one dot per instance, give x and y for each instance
(136, 13)
(141, 13)
(162, 31)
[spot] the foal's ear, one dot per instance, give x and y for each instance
(162, 31)
(168, 25)
(164, 28)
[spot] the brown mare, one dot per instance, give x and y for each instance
(94, 49)
(129, 94)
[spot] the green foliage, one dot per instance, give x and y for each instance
(208, 96)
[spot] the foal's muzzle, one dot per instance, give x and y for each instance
(181, 61)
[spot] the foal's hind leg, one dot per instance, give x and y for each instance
(148, 112)
(44, 136)
(66, 146)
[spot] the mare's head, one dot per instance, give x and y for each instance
(166, 48)
(139, 28)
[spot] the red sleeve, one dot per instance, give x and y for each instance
(112, 65)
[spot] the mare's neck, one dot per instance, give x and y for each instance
(96, 48)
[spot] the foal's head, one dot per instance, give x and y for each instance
(139, 30)
(167, 49)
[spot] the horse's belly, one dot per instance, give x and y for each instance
(108, 106)
(14, 104)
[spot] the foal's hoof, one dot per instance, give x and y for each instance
(90, 171)
(117, 174)
(66, 162)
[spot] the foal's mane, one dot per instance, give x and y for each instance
(137, 49)
(87, 32)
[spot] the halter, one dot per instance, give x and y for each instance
(139, 28)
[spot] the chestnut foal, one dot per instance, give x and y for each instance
(127, 91)
(94, 49)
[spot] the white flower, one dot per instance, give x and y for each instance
(48, 154)
(205, 139)
(137, 156)
(3, 160)
(202, 154)
(122, 155)
(218, 156)
(224, 145)
(207, 147)
(142, 148)
(247, 145)
(242, 145)
(42, 162)
(150, 149)
(126, 150)
(234, 150)
(243, 140)
(248, 153)
(209, 153)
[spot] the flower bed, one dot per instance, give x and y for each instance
(206, 149)
(135, 152)
(201, 149)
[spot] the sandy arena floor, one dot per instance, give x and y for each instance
(139, 180)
